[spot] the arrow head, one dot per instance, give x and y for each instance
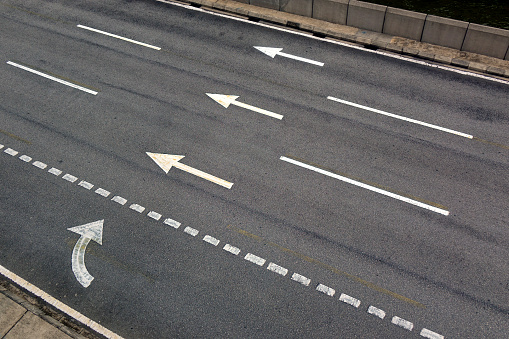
(224, 100)
(92, 230)
(270, 51)
(165, 161)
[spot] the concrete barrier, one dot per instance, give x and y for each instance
(406, 24)
(272, 4)
(486, 40)
(366, 16)
(299, 7)
(331, 10)
(444, 32)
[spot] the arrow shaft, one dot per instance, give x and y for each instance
(203, 175)
(258, 110)
(309, 61)
(78, 262)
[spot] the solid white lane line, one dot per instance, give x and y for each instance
(211, 240)
(368, 187)
(407, 325)
(119, 37)
(376, 312)
(232, 249)
(349, 300)
(47, 76)
(443, 129)
(58, 304)
(39, 164)
(255, 259)
(277, 269)
(326, 290)
(172, 223)
(430, 334)
(301, 279)
(191, 231)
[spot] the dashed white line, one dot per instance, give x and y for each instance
(119, 200)
(69, 177)
(137, 208)
(407, 325)
(255, 259)
(191, 231)
(55, 171)
(103, 192)
(211, 240)
(349, 300)
(39, 164)
(86, 185)
(232, 249)
(301, 279)
(154, 215)
(119, 37)
(277, 269)
(47, 76)
(25, 158)
(172, 223)
(376, 312)
(1, 146)
(10, 151)
(326, 290)
(430, 334)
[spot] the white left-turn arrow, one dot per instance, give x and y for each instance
(90, 231)
(272, 52)
(227, 100)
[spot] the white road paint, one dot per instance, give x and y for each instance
(227, 100)
(430, 334)
(167, 161)
(39, 164)
(172, 223)
(366, 186)
(55, 171)
(69, 177)
(11, 152)
(211, 240)
(376, 312)
(272, 52)
(301, 279)
(326, 290)
(87, 232)
(349, 300)
(85, 185)
(137, 208)
(25, 158)
(1, 146)
(119, 200)
(407, 325)
(47, 76)
(255, 259)
(191, 231)
(232, 249)
(119, 37)
(103, 192)
(277, 269)
(154, 215)
(58, 304)
(443, 129)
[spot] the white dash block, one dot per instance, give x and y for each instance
(324, 289)
(10, 151)
(154, 215)
(255, 259)
(39, 164)
(69, 177)
(191, 231)
(119, 200)
(25, 158)
(172, 223)
(277, 269)
(137, 208)
(407, 325)
(85, 185)
(232, 249)
(376, 312)
(301, 279)
(430, 334)
(55, 171)
(349, 300)
(211, 240)
(103, 192)
(1, 146)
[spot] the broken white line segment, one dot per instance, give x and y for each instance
(39, 164)
(376, 312)
(47, 76)
(443, 129)
(119, 37)
(326, 290)
(277, 269)
(211, 240)
(272, 52)
(407, 325)
(227, 100)
(349, 300)
(191, 231)
(368, 187)
(301, 279)
(232, 249)
(255, 259)
(430, 334)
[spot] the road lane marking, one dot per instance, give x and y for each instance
(47, 76)
(227, 100)
(350, 300)
(11, 152)
(277, 269)
(14, 137)
(119, 37)
(86, 185)
(55, 171)
(191, 231)
(407, 325)
(366, 186)
(232, 249)
(69, 177)
(326, 290)
(172, 223)
(376, 312)
(137, 208)
(154, 215)
(301, 279)
(39, 164)
(255, 259)
(25, 158)
(102, 192)
(443, 129)
(58, 304)
(430, 334)
(272, 52)
(119, 200)
(211, 240)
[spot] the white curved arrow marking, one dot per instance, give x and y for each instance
(90, 231)
(167, 161)
(272, 52)
(227, 100)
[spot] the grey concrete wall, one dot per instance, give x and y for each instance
(404, 23)
(272, 4)
(299, 7)
(366, 16)
(331, 10)
(444, 32)
(486, 40)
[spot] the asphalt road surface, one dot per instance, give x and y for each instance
(368, 217)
